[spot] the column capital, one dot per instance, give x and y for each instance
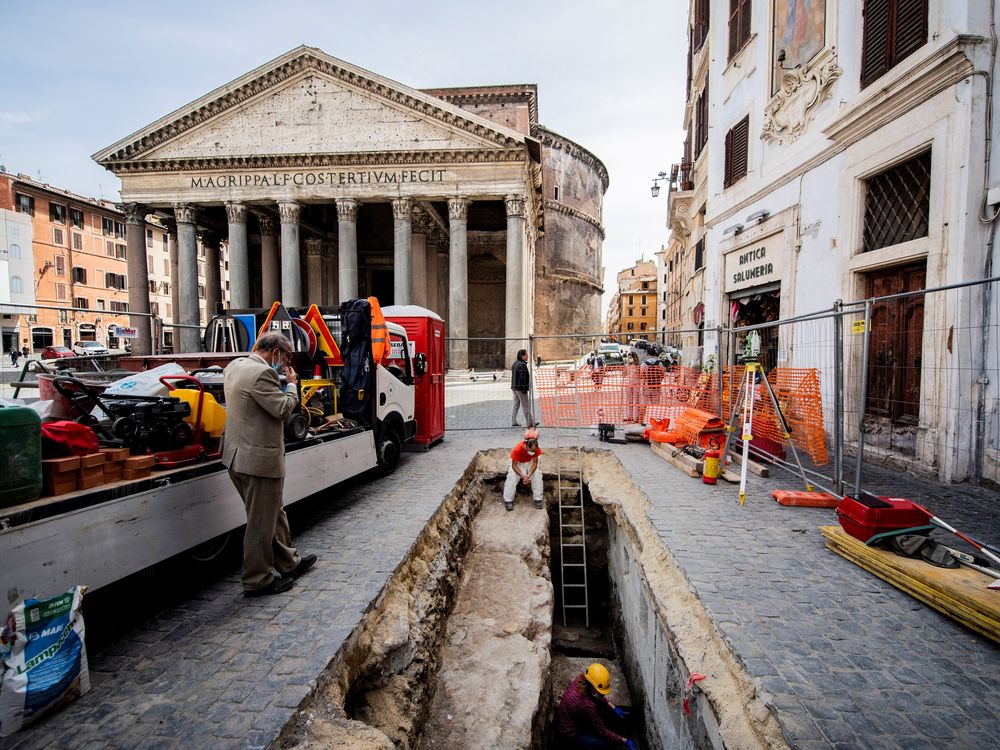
(458, 208)
(169, 226)
(266, 221)
(347, 209)
(515, 206)
(421, 221)
(314, 247)
(185, 213)
(289, 211)
(402, 208)
(135, 213)
(236, 212)
(209, 238)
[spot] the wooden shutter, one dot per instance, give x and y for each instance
(909, 28)
(700, 32)
(893, 30)
(745, 16)
(737, 152)
(734, 27)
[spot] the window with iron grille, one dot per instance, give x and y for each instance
(700, 31)
(739, 25)
(699, 254)
(897, 203)
(701, 121)
(737, 152)
(893, 30)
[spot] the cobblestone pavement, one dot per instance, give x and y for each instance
(847, 660)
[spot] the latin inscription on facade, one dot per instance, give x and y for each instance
(755, 265)
(318, 178)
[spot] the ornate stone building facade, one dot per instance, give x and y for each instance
(840, 150)
(330, 182)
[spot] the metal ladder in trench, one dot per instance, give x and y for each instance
(572, 554)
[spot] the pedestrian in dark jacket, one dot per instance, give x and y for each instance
(24, 351)
(14, 354)
(520, 381)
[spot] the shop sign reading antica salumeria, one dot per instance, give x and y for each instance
(757, 263)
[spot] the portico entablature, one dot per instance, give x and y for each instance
(314, 182)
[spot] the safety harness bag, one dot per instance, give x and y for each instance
(355, 349)
(42, 659)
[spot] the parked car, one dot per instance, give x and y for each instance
(90, 348)
(57, 352)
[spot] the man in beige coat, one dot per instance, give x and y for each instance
(253, 449)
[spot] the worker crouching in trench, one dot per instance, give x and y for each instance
(585, 718)
(524, 469)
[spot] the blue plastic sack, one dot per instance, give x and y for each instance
(42, 659)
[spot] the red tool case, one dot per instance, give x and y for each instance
(869, 514)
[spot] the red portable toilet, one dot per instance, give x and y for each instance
(425, 331)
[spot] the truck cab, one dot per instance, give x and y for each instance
(394, 406)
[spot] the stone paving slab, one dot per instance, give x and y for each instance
(846, 660)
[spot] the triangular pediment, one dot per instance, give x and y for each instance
(308, 103)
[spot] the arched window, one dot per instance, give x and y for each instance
(15, 251)
(16, 285)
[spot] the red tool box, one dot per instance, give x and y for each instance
(869, 514)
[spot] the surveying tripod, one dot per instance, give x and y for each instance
(743, 407)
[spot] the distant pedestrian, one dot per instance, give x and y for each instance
(14, 354)
(25, 351)
(253, 449)
(523, 469)
(633, 389)
(520, 384)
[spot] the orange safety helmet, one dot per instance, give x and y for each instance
(597, 675)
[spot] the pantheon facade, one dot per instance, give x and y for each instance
(328, 182)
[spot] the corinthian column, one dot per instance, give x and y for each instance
(458, 283)
(514, 319)
(291, 261)
(239, 256)
(171, 226)
(418, 270)
(187, 279)
(402, 212)
(270, 266)
(314, 271)
(138, 276)
(213, 275)
(347, 230)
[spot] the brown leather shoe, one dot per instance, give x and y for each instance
(276, 586)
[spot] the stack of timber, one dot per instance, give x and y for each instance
(959, 593)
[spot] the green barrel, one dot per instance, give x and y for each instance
(20, 455)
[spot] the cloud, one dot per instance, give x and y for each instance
(9, 120)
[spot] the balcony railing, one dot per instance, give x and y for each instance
(680, 176)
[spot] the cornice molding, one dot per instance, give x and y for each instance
(562, 208)
(803, 89)
(571, 276)
(308, 161)
(306, 60)
(560, 142)
(881, 105)
(488, 95)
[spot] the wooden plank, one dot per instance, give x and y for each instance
(755, 467)
(960, 593)
(688, 464)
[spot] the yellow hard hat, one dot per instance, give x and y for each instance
(597, 675)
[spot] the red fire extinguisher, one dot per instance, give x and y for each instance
(710, 468)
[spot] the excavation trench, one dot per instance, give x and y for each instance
(465, 647)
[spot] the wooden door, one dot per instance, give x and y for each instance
(896, 344)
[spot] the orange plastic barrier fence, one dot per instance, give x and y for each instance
(629, 394)
(621, 395)
(798, 394)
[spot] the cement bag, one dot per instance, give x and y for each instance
(42, 659)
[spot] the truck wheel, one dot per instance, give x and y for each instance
(389, 450)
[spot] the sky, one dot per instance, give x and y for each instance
(610, 75)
